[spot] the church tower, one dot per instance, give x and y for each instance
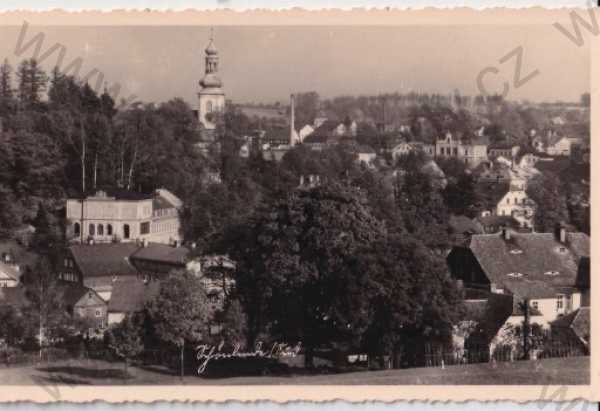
(211, 98)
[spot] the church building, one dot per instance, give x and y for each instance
(211, 97)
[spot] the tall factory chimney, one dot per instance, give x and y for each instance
(292, 120)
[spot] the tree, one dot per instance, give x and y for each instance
(46, 310)
(550, 209)
(32, 83)
(416, 299)
(305, 286)
(180, 311)
(6, 88)
(423, 210)
(12, 327)
(460, 195)
(125, 340)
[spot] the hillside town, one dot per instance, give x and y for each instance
(371, 232)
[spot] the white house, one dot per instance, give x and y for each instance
(109, 215)
(559, 146)
(517, 204)
(305, 131)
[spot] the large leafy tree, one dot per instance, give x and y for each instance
(180, 312)
(424, 213)
(125, 340)
(416, 300)
(548, 193)
(297, 267)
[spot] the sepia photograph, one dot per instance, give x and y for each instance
(295, 205)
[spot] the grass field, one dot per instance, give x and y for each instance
(560, 371)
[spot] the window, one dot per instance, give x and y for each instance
(66, 262)
(92, 230)
(534, 305)
(98, 313)
(100, 229)
(209, 107)
(126, 231)
(508, 201)
(76, 229)
(145, 227)
(108, 229)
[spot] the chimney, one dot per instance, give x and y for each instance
(292, 119)
(561, 233)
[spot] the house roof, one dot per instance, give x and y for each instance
(119, 194)
(530, 264)
(12, 296)
(462, 224)
(491, 193)
(131, 295)
(161, 203)
(104, 259)
(162, 253)
(72, 293)
(498, 220)
(8, 272)
(578, 321)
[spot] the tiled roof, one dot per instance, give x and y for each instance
(163, 253)
(131, 295)
(530, 264)
(104, 259)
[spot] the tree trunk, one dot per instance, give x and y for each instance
(309, 358)
(41, 335)
(83, 153)
(182, 361)
(95, 170)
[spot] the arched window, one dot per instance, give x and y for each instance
(108, 229)
(126, 231)
(92, 230)
(100, 229)
(76, 229)
(209, 107)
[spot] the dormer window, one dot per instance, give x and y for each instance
(516, 251)
(552, 273)
(515, 275)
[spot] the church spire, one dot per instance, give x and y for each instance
(211, 61)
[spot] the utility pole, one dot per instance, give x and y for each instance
(526, 328)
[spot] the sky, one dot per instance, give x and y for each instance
(267, 64)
